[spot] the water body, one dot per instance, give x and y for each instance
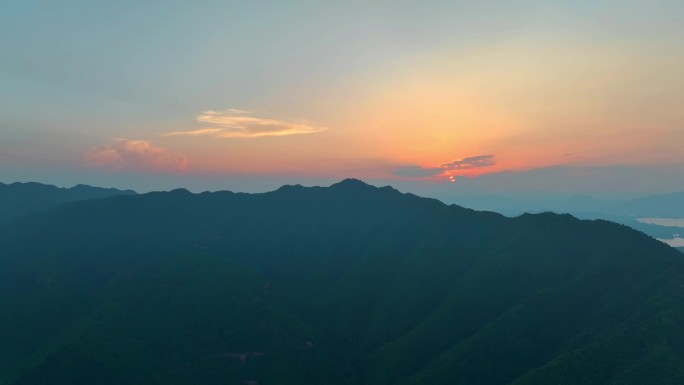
(674, 242)
(677, 222)
(677, 241)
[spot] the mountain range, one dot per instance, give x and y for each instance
(347, 284)
(21, 199)
(669, 205)
(661, 205)
(624, 211)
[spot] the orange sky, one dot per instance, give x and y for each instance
(528, 103)
(381, 90)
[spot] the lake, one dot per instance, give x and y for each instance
(675, 222)
(678, 222)
(675, 242)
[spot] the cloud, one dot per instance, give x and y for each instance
(135, 155)
(201, 131)
(237, 111)
(413, 171)
(234, 123)
(4, 154)
(470, 162)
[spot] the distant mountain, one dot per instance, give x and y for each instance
(349, 284)
(20, 199)
(514, 205)
(625, 212)
(664, 205)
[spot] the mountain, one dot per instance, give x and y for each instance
(669, 205)
(349, 284)
(626, 212)
(663, 205)
(20, 199)
(514, 205)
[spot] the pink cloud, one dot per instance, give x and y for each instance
(413, 171)
(135, 155)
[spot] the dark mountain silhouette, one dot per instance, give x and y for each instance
(21, 199)
(349, 284)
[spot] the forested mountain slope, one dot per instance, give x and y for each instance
(349, 284)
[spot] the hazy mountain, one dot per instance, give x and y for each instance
(626, 212)
(663, 205)
(349, 284)
(514, 205)
(20, 199)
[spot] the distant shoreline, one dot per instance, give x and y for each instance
(676, 222)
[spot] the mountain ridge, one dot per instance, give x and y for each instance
(19, 199)
(344, 284)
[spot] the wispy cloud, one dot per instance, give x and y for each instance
(201, 131)
(135, 155)
(470, 162)
(234, 123)
(447, 169)
(237, 111)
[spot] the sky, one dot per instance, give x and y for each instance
(438, 97)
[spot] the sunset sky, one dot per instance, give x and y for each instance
(582, 96)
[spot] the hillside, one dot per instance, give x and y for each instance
(349, 284)
(21, 199)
